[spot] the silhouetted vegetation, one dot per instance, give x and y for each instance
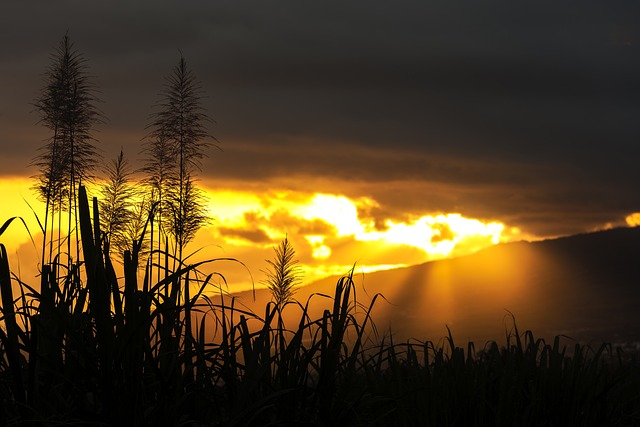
(119, 354)
(67, 108)
(178, 139)
(283, 274)
(84, 347)
(117, 207)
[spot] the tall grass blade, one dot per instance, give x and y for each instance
(11, 341)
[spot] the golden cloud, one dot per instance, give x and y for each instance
(633, 220)
(330, 232)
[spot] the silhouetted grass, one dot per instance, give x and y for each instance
(82, 348)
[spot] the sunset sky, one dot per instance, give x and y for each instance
(385, 133)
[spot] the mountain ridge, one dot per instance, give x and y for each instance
(586, 286)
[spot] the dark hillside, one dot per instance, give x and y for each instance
(586, 286)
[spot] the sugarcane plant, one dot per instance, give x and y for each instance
(67, 108)
(175, 147)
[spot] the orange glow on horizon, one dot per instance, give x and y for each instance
(437, 235)
(17, 195)
(633, 220)
(330, 232)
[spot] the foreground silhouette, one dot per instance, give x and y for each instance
(105, 353)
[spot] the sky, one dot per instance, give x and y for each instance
(366, 131)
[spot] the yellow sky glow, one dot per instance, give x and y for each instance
(15, 200)
(437, 235)
(633, 220)
(330, 235)
(330, 232)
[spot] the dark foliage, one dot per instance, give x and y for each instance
(104, 353)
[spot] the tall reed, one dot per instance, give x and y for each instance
(178, 139)
(67, 108)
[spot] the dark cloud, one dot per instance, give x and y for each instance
(284, 220)
(375, 215)
(257, 236)
(523, 111)
(441, 232)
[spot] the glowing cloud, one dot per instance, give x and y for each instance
(330, 232)
(438, 235)
(320, 250)
(633, 220)
(325, 218)
(338, 211)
